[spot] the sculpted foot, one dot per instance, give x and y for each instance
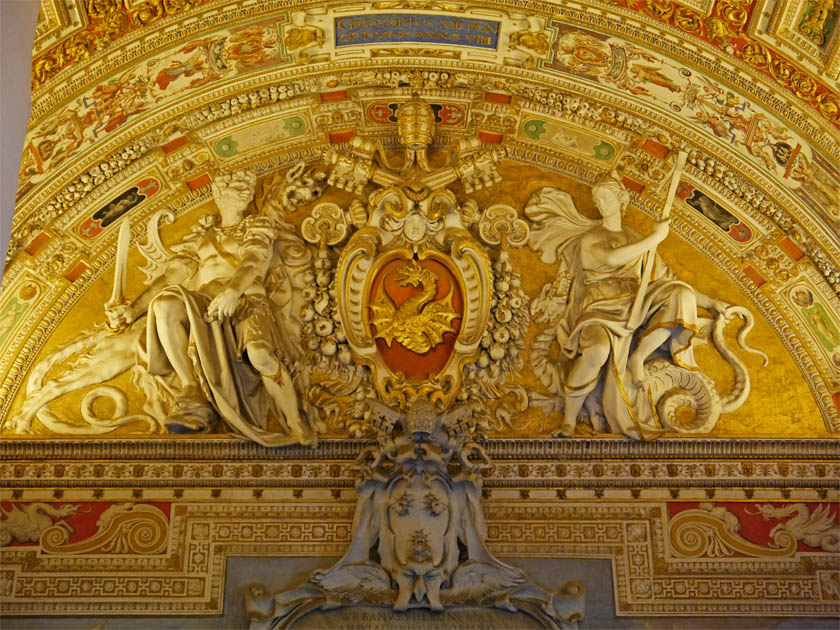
(567, 429)
(191, 414)
(20, 424)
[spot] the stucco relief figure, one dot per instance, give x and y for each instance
(204, 337)
(625, 325)
(211, 343)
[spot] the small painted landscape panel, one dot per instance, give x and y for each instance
(714, 212)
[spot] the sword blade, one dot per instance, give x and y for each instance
(121, 263)
(675, 182)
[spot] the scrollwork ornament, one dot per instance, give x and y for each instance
(718, 30)
(500, 225)
(712, 531)
(756, 55)
(662, 9)
(829, 105)
(734, 13)
(78, 49)
(782, 71)
(174, 7)
(537, 41)
(804, 86)
(688, 20)
(125, 528)
(100, 9)
(148, 12)
(325, 225)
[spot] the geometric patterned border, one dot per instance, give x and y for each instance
(682, 468)
(188, 577)
(649, 578)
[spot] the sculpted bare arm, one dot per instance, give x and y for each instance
(256, 256)
(598, 247)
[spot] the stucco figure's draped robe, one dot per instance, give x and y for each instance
(603, 296)
(234, 389)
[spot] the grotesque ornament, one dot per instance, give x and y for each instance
(419, 509)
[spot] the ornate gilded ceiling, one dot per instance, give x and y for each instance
(136, 105)
(368, 155)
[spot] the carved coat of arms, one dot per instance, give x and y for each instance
(413, 293)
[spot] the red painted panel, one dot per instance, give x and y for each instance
(38, 243)
(632, 184)
(76, 271)
(341, 136)
(175, 144)
(654, 148)
(752, 274)
(790, 248)
(497, 97)
(490, 137)
(198, 182)
(330, 97)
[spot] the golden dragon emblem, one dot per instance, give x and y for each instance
(419, 323)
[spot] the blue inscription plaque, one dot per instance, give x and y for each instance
(396, 28)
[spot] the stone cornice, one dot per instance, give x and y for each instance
(587, 449)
